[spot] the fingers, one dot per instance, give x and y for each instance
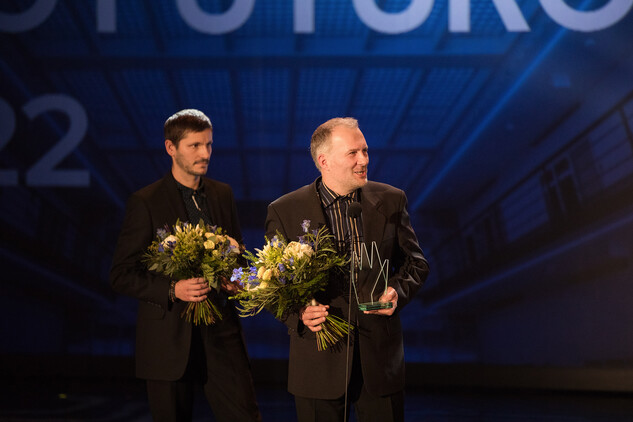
(385, 312)
(390, 295)
(313, 316)
(192, 290)
(228, 286)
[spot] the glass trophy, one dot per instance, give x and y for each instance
(368, 260)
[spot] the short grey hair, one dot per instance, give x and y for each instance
(321, 137)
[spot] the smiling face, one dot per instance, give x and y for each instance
(191, 157)
(344, 160)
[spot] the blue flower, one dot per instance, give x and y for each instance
(237, 274)
(281, 267)
(305, 225)
(275, 242)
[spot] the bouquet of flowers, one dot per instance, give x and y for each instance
(190, 251)
(285, 276)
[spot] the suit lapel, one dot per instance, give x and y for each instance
(174, 199)
(374, 220)
(315, 209)
(213, 205)
(374, 223)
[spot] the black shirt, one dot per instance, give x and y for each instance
(195, 203)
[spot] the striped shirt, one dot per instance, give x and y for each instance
(344, 228)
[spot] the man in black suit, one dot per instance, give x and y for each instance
(172, 354)
(370, 371)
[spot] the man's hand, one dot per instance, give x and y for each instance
(192, 289)
(228, 286)
(313, 316)
(390, 295)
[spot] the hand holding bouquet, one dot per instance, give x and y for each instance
(190, 251)
(285, 276)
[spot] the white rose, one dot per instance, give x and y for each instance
(169, 239)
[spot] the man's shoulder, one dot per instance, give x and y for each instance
(164, 184)
(303, 193)
(217, 185)
(151, 190)
(379, 188)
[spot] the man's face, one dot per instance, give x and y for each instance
(344, 164)
(193, 153)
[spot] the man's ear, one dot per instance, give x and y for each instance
(322, 160)
(170, 147)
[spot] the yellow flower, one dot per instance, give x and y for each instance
(209, 244)
(267, 274)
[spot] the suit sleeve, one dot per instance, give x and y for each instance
(129, 275)
(410, 266)
(274, 225)
(236, 231)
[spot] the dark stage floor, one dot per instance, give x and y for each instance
(95, 400)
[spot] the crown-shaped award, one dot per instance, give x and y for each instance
(370, 260)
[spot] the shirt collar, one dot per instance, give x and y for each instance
(187, 190)
(329, 197)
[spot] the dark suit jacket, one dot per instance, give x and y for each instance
(385, 221)
(163, 338)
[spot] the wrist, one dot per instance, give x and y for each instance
(172, 291)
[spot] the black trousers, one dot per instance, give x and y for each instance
(220, 365)
(367, 407)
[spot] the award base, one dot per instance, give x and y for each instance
(373, 306)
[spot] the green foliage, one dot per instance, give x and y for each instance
(189, 251)
(285, 276)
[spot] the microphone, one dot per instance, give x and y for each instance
(354, 210)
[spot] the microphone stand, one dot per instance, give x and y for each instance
(349, 319)
(354, 211)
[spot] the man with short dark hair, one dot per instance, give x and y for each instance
(172, 354)
(370, 374)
